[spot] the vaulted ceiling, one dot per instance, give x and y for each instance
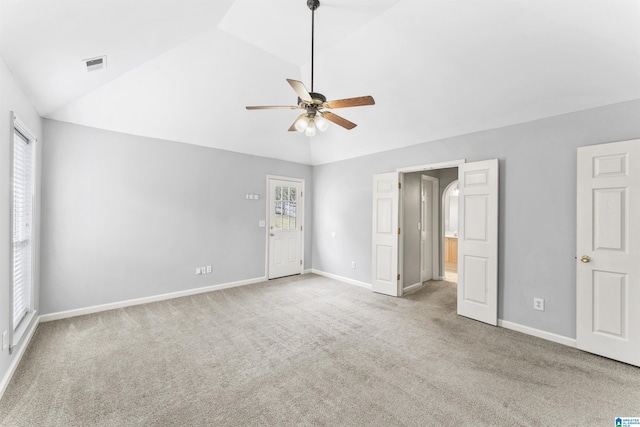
(183, 70)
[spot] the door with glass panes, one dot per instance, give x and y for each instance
(285, 227)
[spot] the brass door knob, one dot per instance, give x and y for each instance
(585, 258)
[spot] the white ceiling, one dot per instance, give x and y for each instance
(183, 70)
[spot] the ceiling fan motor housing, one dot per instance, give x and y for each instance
(318, 99)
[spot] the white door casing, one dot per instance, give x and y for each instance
(428, 229)
(608, 250)
(285, 218)
(385, 261)
(478, 241)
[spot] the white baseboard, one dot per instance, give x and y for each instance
(411, 287)
(342, 279)
(18, 356)
(111, 306)
(537, 333)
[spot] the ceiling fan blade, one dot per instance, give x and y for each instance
(293, 125)
(271, 107)
(350, 102)
(302, 91)
(340, 121)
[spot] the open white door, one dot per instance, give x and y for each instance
(384, 261)
(608, 245)
(478, 241)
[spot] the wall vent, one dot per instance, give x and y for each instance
(94, 64)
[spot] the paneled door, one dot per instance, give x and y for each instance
(428, 229)
(285, 227)
(478, 241)
(608, 250)
(385, 262)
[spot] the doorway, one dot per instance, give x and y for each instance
(424, 208)
(450, 231)
(396, 259)
(428, 226)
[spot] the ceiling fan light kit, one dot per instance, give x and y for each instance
(316, 118)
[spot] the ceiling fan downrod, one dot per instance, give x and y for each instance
(313, 5)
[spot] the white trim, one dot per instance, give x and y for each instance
(341, 279)
(549, 336)
(412, 287)
(22, 329)
(400, 291)
(128, 303)
(432, 166)
(17, 333)
(18, 357)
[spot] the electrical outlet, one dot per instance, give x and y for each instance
(209, 269)
(538, 304)
(353, 264)
(198, 271)
(5, 340)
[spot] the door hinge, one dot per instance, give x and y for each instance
(398, 230)
(399, 185)
(300, 262)
(398, 276)
(300, 228)
(301, 194)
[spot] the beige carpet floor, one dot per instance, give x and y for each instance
(308, 351)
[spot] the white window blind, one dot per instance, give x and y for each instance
(22, 225)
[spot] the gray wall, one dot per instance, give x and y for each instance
(127, 217)
(411, 216)
(537, 206)
(13, 99)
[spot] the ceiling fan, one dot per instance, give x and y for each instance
(316, 104)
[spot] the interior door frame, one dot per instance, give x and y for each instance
(444, 231)
(433, 226)
(301, 205)
(411, 169)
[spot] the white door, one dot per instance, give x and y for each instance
(285, 227)
(384, 274)
(429, 227)
(478, 241)
(608, 245)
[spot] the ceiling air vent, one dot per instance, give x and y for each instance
(94, 64)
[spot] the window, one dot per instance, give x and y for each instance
(286, 212)
(22, 196)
